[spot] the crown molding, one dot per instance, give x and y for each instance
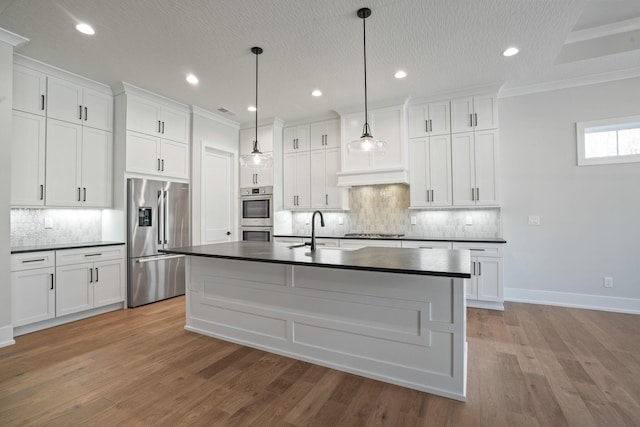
(12, 39)
(603, 31)
(213, 116)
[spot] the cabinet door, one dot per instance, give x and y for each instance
(489, 279)
(65, 100)
(29, 90)
(439, 169)
(143, 153)
(289, 194)
(27, 159)
(486, 167)
(303, 179)
(319, 196)
(264, 177)
(143, 116)
(471, 288)
(32, 296)
(265, 139)
(248, 177)
(439, 120)
(418, 169)
(74, 290)
(174, 159)
(334, 194)
(418, 121)
(175, 124)
(463, 173)
(324, 134)
(485, 109)
(97, 155)
(352, 130)
(97, 110)
(108, 282)
(296, 138)
(461, 115)
(63, 164)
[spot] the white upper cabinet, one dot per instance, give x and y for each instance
(430, 163)
(296, 181)
(27, 159)
(429, 119)
(324, 134)
(157, 119)
(29, 90)
(73, 103)
(475, 168)
(78, 165)
(265, 139)
(324, 168)
(295, 138)
(474, 113)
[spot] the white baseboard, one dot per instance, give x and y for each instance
(567, 299)
(6, 336)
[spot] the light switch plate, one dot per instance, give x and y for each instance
(533, 220)
(414, 220)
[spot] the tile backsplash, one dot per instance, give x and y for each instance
(50, 226)
(385, 209)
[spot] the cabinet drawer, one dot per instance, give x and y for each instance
(31, 260)
(99, 253)
(426, 244)
(480, 249)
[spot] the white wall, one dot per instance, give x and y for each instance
(590, 215)
(216, 132)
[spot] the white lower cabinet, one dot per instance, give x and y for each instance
(486, 284)
(46, 286)
(32, 287)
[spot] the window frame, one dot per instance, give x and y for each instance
(616, 123)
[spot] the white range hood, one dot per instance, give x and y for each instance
(373, 177)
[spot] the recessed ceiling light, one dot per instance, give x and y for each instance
(192, 79)
(510, 51)
(400, 74)
(252, 108)
(85, 29)
(316, 92)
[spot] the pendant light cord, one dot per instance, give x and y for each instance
(365, 130)
(255, 142)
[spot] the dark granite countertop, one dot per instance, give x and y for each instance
(60, 246)
(414, 238)
(429, 262)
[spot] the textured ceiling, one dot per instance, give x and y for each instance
(444, 45)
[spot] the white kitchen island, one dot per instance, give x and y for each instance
(395, 315)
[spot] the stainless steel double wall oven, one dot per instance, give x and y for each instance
(256, 213)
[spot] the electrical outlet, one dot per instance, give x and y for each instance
(414, 220)
(340, 221)
(533, 220)
(607, 282)
(48, 223)
(469, 220)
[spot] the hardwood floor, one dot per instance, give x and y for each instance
(531, 365)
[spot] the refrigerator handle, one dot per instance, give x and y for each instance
(166, 202)
(159, 222)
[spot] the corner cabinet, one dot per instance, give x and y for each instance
(62, 139)
(156, 133)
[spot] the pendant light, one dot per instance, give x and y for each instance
(256, 159)
(366, 143)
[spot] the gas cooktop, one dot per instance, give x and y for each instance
(374, 235)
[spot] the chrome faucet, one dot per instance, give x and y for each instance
(313, 229)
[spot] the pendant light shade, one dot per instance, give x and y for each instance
(366, 143)
(256, 159)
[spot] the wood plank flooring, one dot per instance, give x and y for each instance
(530, 365)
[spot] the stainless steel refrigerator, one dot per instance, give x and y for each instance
(158, 218)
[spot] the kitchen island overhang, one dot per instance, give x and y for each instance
(391, 314)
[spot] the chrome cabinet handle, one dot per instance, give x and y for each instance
(432, 199)
(428, 196)
(85, 114)
(164, 229)
(426, 125)
(41, 192)
(42, 102)
(477, 194)
(80, 112)
(326, 199)
(473, 264)
(475, 116)
(158, 167)
(91, 275)
(473, 194)
(430, 126)
(51, 281)
(163, 128)
(96, 254)
(470, 120)
(158, 221)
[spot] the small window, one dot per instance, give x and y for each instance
(609, 141)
